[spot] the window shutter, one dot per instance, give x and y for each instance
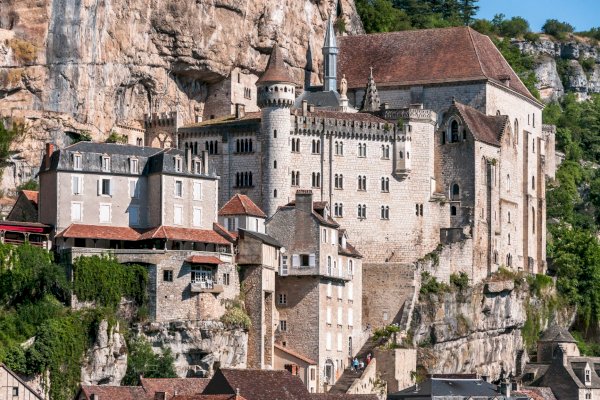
(132, 186)
(80, 185)
(350, 317)
(99, 182)
(311, 260)
(295, 260)
(328, 315)
(110, 187)
(350, 291)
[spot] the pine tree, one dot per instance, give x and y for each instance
(469, 9)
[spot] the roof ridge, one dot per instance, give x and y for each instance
(413, 30)
(476, 52)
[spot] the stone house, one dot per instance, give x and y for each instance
(14, 388)
(240, 212)
(148, 206)
(319, 287)
(297, 364)
(560, 367)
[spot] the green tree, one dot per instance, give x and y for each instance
(557, 28)
(143, 361)
(469, 9)
(381, 16)
(7, 137)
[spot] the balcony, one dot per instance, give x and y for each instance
(206, 287)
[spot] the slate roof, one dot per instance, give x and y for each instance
(255, 384)
(426, 56)
(261, 236)
(181, 386)
(240, 204)
(484, 128)
(276, 70)
(318, 207)
(359, 116)
(249, 117)
(293, 353)
(342, 396)
(449, 387)
(559, 334)
(349, 251)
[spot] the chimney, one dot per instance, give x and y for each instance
(160, 396)
(304, 108)
(240, 111)
(204, 162)
(505, 388)
(505, 79)
(188, 159)
(304, 201)
(384, 106)
(311, 108)
(49, 151)
(93, 396)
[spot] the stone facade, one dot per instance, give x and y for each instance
(15, 388)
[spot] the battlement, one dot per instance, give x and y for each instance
(169, 119)
(410, 114)
(549, 129)
(352, 128)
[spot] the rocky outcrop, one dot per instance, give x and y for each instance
(106, 362)
(472, 332)
(199, 347)
(578, 72)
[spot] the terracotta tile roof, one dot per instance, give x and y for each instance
(295, 354)
(209, 397)
(485, 128)
(99, 232)
(255, 384)
(221, 230)
(535, 393)
(349, 251)
(203, 260)
(32, 196)
(184, 234)
(240, 204)
(276, 71)
(343, 396)
(423, 57)
(181, 386)
(114, 392)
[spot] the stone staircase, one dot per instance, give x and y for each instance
(349, 376)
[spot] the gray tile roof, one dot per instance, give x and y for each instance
(556, 333)
(438, 387)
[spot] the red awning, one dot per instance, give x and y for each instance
(204, 260)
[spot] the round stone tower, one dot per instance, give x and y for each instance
(276, 95)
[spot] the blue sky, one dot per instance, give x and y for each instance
(583, 14)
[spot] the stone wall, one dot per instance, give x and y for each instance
(369, 382)
(396, 367)
(105, 363)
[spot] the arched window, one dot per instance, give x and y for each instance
(454, 131)
(341, 148)
(274, 164)
(509, 239)
(455, 191)
(453, 210)
(516, 131)
(495, 257)
(508, 183)
(401, 155)
(533, 183)
(407, 155)
(464, 135)
(328, 265)
(509, 217)
(443, 137)
(533, 219)
(237, 146)
(275, 133)
(275, 193)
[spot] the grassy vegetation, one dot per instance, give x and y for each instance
(24, 51)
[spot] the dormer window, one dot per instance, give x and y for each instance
(105, 163)
(133, 165)
(588, 376)
(178, 164)
(197, 166)
(454, 131)
(77, 162)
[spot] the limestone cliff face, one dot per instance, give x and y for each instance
(560, 67)
(199, 348)
(103, 61)
(106, 362)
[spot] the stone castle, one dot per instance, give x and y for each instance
(420, 141)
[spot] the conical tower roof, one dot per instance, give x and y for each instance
(276, 71)
(371, 101)
(330, 40)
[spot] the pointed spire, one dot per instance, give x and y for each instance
(371, 101)
(276, 71)
(330, 51)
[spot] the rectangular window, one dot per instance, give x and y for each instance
(328, 341)
(350, 291)
(197, 195)
(283, 325)
(77, 184)
(133, 188)
(328, 316)
(105, 213)
(232, 224)
(76, 211)
(177, 215)
(105, 164)
(134, 215)
(282, 299)
(77, 162)
(178, 188)
(340, 290)
(226, 277)
(178, 164)
(340, 346)
(197, 217)
(329, 289)
(202, 275)
(324, 235)
(104, 187)
(350, 317)
(133, 165)
(197, 167)
(283, 270)
(339, 316)
(167, 275)
(15, 391)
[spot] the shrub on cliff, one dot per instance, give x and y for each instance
(143, 361)
(460, 280)
(557, 28)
